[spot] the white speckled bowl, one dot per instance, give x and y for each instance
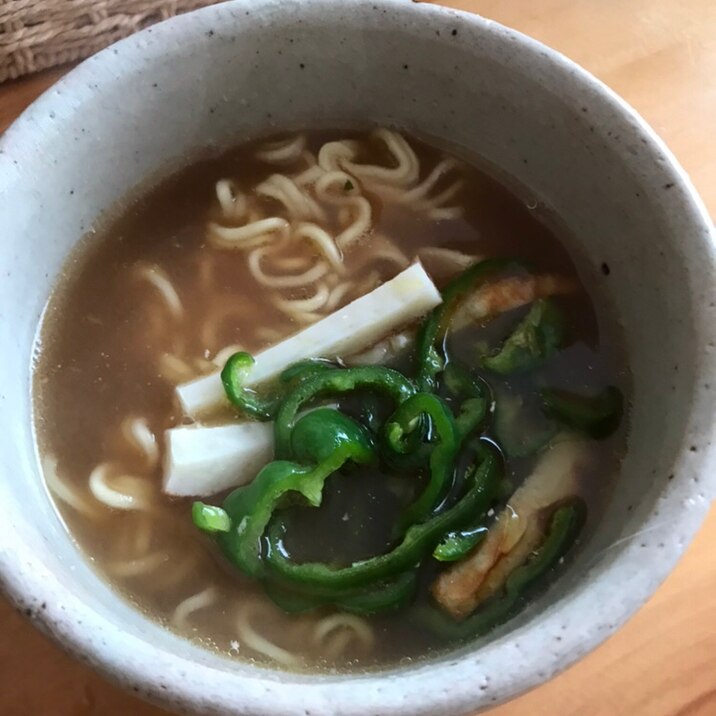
(231, 71)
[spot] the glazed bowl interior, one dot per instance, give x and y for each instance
(236, 71)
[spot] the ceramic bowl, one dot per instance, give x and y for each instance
(235, 70)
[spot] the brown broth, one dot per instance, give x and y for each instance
(102, 333)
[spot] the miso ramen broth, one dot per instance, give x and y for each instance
(239, 251)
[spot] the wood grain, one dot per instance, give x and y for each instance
(661, 56)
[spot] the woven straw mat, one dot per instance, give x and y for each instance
(37, 34)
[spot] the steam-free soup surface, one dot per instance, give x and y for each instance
(149, 299)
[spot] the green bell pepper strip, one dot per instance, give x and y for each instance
(429, 354)
(471, 415)
(596, 415)
(406, 418)
(461, 383)
(457, 544)
(372, 599)
(564, 527)
(338, 380)
(210, 518)
(388, 596)
(318, 434)
(233, 377)
(369, 414)
(473, 393)
(303, 368)
(535, 339)
(289, 601)
(263, 408)
(250, 507)
(418, 541)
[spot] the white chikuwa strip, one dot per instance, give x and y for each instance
(202, 461)
(360, 324)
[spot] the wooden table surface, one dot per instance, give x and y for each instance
(661, 56)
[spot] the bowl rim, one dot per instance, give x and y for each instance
(162, 677)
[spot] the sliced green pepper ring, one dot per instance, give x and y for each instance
(335, 381)
(372, 599)
(318, 434)
(474, 396)
(402, 423)
(233, 377)
(430, 358)
(302, 369)
(249, 508)
(535, 339)
(419, 540)
(459, 543)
